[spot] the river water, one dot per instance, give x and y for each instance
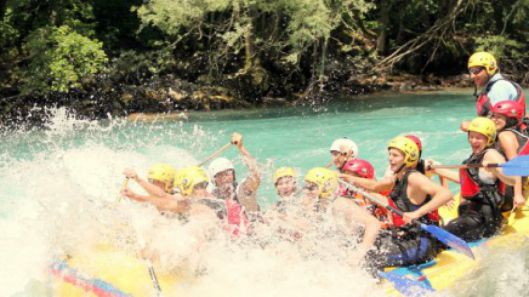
(58, 187)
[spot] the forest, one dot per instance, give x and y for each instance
(103, 58)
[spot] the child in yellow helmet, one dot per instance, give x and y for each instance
(285, 182)
(159, 182)
(480, 212)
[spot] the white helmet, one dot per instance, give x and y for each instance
(347, 144)
(218, 165)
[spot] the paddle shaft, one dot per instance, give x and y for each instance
(215, 154)
(372, 198)
(492, 165)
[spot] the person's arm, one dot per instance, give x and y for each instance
(150, 188)
(451, 175)
(493, 156)
(440, 195)
(371, 185)
(509, 144)
(356, 214)
(250, 184)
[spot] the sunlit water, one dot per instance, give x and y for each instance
(59, 191)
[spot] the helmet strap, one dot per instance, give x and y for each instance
(400, 169)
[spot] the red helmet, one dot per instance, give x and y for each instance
(360, 167)
(510, 109)
(415, 139)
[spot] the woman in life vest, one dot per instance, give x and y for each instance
(511, 142)
(480, 210)
(320, 202)
(419, 198)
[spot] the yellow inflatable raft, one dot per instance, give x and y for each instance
(107, 272)
(450, 266)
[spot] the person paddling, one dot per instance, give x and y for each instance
(480, 211)
(419, 198)
(159, 182)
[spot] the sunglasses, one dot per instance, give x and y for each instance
(476, 70)
(310, 188)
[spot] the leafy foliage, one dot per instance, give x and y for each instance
(60, 59)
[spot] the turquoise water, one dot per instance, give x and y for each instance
(55, 183)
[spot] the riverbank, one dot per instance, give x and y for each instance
(174, 98)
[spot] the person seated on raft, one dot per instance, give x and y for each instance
(419, 198)
(480, 210)
(224, 182)
(285, 184)
(342, 150)
(159, 184)
(511, 142)
(191, 183)
(363, 169)
(385, 185)
(320, 186)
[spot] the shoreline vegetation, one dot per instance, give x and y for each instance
(113, 58)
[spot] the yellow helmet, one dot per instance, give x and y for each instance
(325, 179)
(187, 178)
(283, 172)
(164, 173)
(485, 60)
(408, 147)
(484, 126)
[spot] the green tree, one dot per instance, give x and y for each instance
(60, 59)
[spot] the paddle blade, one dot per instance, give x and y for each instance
(518, 166)
(449, 239)
(406, 286)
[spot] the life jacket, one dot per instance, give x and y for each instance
(401, 200)
(523, 143)
(483, 105)
(236, 217)
(217, 205)
(485, 199)
(237, 220)
(378, 212)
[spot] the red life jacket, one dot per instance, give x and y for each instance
(483, 105)
(471, 185)
(237, 220)
(400, 200)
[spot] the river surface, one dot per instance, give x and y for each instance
(56, 185)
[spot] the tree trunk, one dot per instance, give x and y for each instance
(383, 34)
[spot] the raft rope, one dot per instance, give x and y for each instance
(98, 287)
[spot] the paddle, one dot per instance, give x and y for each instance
(152, 274)
(442, 235)
(518, 166)
(407, 286)
(215, 154)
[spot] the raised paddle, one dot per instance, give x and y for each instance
(518, 166)
(442, 235)
(215, 154)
